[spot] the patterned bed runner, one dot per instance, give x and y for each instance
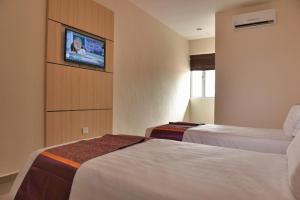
(172, 131)
(51, 174)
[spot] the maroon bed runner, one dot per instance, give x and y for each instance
(51, 175)
(172, 131)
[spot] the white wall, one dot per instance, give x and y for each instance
(202, 110)
(151, 70)
(202, 46)
(258, 68)
(22, 65)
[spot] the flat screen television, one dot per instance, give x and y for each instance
(83, 49)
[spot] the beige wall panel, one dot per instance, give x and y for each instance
(67, 126)
(70, 88)
(84, 15)
(100, 20)
(55, 33)
(108, 24)
(58, 87)
(58, 127)
(109, 56)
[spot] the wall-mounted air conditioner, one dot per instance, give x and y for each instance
(254, 19)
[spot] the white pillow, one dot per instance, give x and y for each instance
(291, 125)
(293, 155)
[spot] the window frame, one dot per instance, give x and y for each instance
(203, 80)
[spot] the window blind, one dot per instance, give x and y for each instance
(202, 62)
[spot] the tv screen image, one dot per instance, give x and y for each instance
(83, 49)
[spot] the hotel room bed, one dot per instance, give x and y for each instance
(165, 170)
(254, 139)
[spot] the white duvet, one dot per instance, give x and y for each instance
(253, 139)
(170, 170)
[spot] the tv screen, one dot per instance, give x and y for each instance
(83, 49)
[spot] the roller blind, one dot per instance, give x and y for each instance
(202, 62)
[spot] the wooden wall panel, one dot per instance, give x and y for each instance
(109, 56)
(70, 88)
(77, 97)
(108, 24)
(58, 88)
(55, 35)
(83, 14)
(67, 126)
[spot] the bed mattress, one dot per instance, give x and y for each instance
(165, 170)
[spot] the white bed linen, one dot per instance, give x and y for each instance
(293, 155)
(291, 124)
(254, 139)
(165, 170)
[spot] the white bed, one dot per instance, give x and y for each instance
(254, 139)
(171, 170)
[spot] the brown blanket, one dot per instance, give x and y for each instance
(172, 131)
(51, 174)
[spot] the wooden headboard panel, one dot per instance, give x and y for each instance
(77, 98)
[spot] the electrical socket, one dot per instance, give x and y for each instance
(85, 130)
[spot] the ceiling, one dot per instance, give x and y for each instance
(185, 16)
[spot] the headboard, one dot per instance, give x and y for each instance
(79, 100)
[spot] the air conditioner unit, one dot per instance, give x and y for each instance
(254, 19)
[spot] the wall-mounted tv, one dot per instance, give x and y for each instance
(83, 49)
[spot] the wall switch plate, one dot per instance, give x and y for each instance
(85, 130)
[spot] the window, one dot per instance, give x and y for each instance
(202, 75)
(203, 83)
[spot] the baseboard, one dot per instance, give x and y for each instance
(6, 178)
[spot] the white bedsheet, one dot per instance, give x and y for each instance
(254, 139)
(165, 170)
